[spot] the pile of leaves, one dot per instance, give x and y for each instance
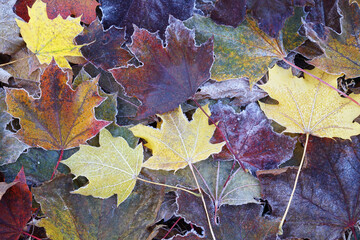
(181, 119)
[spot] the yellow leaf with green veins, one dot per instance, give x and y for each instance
(178, 142)
(309, 106)
(111, 168)
(50, 38)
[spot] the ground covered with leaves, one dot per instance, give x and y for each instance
(180, 119)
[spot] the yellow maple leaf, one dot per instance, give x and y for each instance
(308, 106)
(111, 168)
(50, 38)
(178, 142)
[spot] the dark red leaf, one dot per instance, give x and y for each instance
(21, 8)
(326, 201)
(170, 75)
(15, 209)
(251, 137)
(75, 8)
(152, 15)
(104, 47)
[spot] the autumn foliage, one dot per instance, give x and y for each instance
(179, 119)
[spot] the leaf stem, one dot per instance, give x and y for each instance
(171, 228)
(169, 186)
(295, 184)
(222, 135)
(57, 164)
(30, 235)
(14, 61)
(203, 200)
(322, 81)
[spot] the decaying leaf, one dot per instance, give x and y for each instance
(341, 52)
(103, 48)
(152, 15)
(326, 201)
(61, 118)
(10, 146)
(170, 75)
(233, 222)
(251, 137)
(308, 106)
(245, 51)
(50, 38)
(15, 208)
(10, 40)
(178, 142)
(66, 8)
(110, 169)
(237, 88)
(78, 217)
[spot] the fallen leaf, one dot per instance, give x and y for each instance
(38, 165)
(245, 51)
(271, 15)
(50, 38)
(73, 216)
(251, 137)
(15, 208)
(126, 106)
(10, 40)
(169, 75)
(178, 142)
(110, 169)
(103, 47)
(58, 119)
(325, 12)
(326, 200)
(21, 8)
(229, 12)
(10, 146)
(237, 88)
(4, 187)
(152, 15)
(234, 222)
(341, 51)
(66, 8)
(308, 106)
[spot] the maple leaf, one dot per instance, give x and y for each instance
(235, 222)
(4, 187)
(241, 52)
(50, 38)
(110, 169)
(10, 146)
(21, 8)
(178, 142)
(341, 52)
(74, 216)
(152, 15)
(15, 207)
(237, 88)
(10, 41)
(171, 74)
(308, 106)
(325, 12)
(61, 118)
(251, 137)
(38, 165)
(84, 8)
(270, 16)
(326, 201)
(103, 48)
